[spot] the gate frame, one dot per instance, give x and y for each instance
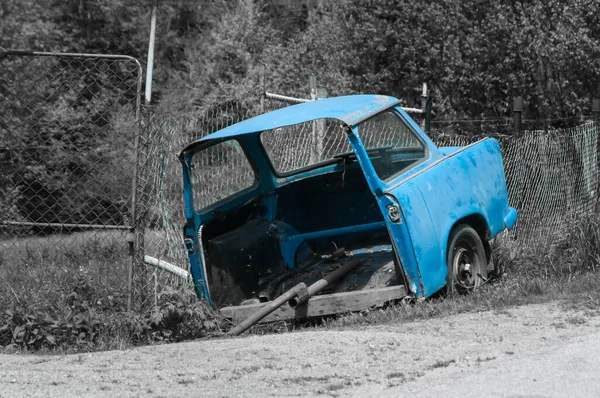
(131, 236)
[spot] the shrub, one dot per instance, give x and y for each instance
(88, 322)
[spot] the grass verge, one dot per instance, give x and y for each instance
(57, 301)
(68, 294)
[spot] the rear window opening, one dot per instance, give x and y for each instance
(300, 146)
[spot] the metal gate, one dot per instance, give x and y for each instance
(69, 132)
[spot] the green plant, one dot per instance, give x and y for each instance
(54, 297)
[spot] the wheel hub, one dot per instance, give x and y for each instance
(463, 268)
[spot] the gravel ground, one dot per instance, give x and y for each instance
(528, 351)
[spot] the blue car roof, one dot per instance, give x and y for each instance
(350, 109)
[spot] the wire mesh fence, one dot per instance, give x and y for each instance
(68, 125)
(552, 177)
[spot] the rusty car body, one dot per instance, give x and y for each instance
(290, 195)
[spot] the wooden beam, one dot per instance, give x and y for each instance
(326, 304)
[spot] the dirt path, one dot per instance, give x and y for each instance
(530, 351)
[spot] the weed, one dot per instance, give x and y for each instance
(396, 375)
(559, 325)
(55, 298)
(442, 364)
(335, 387)
(576, 320)
(303, 380)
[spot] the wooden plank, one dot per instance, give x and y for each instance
(326, 304)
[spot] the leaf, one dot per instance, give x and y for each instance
(49, 321)
(19, 334)
(17, 330)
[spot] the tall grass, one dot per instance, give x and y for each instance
(572, 250)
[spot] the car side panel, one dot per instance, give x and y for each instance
(467, 182)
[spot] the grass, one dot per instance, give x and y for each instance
(68, 293)
(442, 364)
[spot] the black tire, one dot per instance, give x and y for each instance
(466, 260)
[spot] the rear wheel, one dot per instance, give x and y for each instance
(466, 260)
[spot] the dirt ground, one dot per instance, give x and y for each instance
(529, 351)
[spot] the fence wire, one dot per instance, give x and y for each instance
(552, 177)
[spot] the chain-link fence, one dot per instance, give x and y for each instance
(68, 129)
(552, 177)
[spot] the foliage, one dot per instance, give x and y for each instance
(476, 55)
(87, 326)
(73, 298)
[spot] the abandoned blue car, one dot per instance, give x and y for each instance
(349, 186)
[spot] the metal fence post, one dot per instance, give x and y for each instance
(424, 95)
(139, 272)
(428, 105)
(596, 119)
(517, 114)
(143, 181)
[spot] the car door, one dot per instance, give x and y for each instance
(423, 193)
(392, 150)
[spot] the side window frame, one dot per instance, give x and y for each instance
(218, 203)
(401, 119)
